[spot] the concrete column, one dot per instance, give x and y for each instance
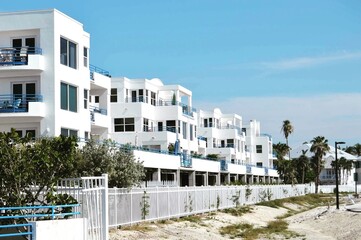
(206, 179)
(228, 178)
(157, 175)
(178, 177)
(192, 178)
(218, 179)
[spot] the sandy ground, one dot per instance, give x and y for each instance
(317, 224)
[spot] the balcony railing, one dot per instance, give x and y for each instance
(94, 110)
(99, 70)
(17, 102)
(229, 145)
(211, 125)
(10, 56)
(185, 108)
(159, 129)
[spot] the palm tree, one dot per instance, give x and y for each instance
(319, 148)
(357, 148)
(287, 129)
(280, 150)
(303, 163)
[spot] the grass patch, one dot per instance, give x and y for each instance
(238, 211)
(248, 232)
(192, 218)
(144, 227)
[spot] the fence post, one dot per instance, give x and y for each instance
(105, 212)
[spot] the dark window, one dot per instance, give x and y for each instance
(146, 125)
(96, 99)
(68, 97)
(85, 98)
(67, 53)
(170, 124)
(68, 132)
(113, 95)
(152, 98)
(123, 124)
(85, 57)
(258, 148)
(141, 95)
(259, 164)
(160, 126)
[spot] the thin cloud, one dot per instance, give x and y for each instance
(335, 116)
(304, 62)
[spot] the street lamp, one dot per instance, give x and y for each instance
(336, 166)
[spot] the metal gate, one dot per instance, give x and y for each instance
(92, 194)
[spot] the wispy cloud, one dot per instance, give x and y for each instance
(335, 116)
(303, 62)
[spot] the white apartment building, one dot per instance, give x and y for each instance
(46, 79)
(48, 88)
(259, 149)
(150, 114)
(223, 135)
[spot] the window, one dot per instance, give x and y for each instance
(170, 125)
(146, 96)
(258, 148)
(230, 143)
(113, 95)
(96, 99)
(85, 99)
(134, 96)
(191, 132)
(68, 97)
(123, 124)
(160, 126)
(85, 54)
(145, 125)
(68, 132)
(259, 164)
(152, 98)
(67, 53)
(184, 130)
(25, 133)
(141, 95)
(86, 136)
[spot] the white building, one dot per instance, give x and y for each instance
(327, 175)
(150, 114)
(48, 88)
(45, 79)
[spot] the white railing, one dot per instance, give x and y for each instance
(148, 204)
(159, 184)
(92, 194)
(341, 188)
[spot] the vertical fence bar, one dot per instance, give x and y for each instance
(105, 213)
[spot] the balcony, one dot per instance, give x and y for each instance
(100, 78)
(26, 58)
(14, 103)
(98, 117)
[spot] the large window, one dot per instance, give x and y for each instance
(68, 97)
(68, 132)
(146, 125)
(191, 132)
(67, 53)
(85, 99)
(123, 124)
(184, 130)
(152, 98)
(258, 148)
(25, 133)
(113, 95)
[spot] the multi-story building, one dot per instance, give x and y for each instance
(150, 114)
(48, 88)
(223, 135)
(45, 79)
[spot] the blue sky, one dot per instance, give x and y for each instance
(264, 60)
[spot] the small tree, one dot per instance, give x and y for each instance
(105, 157)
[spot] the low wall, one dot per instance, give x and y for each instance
(69, 229)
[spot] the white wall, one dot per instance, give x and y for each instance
(70, 229)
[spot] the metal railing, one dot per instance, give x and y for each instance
(99, 70)
(17, 56)
(186, 161)
(17, 102)
(160, 129)
(30, 212)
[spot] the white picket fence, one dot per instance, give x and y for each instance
(125, 206)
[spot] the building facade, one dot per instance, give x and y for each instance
(49, 88)
(46, 79)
